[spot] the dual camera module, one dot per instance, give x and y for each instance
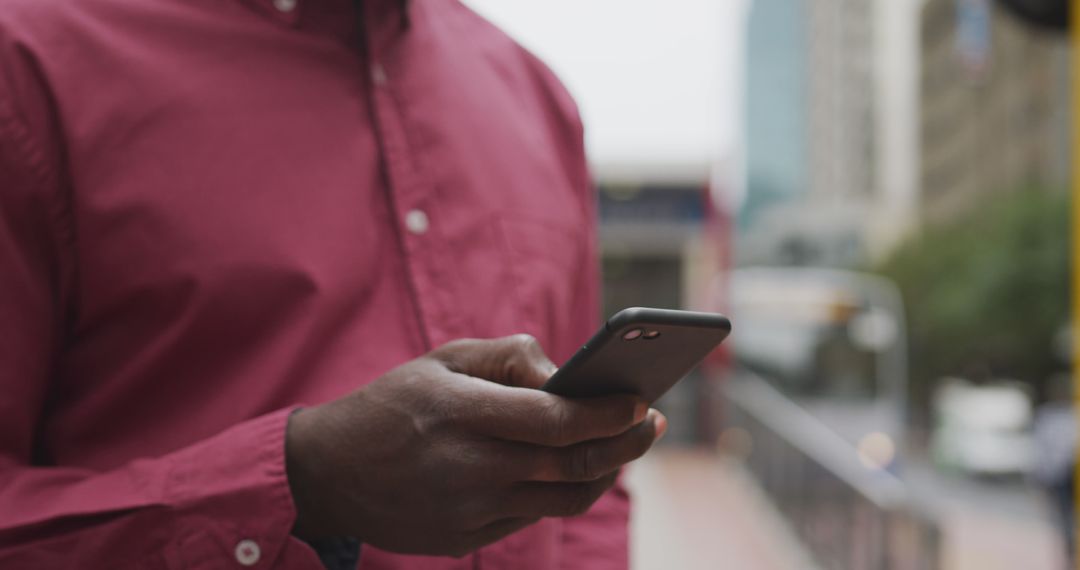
(634, 334)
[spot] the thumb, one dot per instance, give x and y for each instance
(516, 360)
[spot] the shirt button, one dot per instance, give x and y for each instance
(416, 221)
(378, 74)
(285, 5)
(248, 552)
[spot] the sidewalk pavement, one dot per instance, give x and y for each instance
(694, 510)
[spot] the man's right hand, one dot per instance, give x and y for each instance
(457, 449)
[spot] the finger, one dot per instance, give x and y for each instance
(593, 460)
(529, 366)
(557, 499)
(516, 360)
(492, 532)
(533, 416)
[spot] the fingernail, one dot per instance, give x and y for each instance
(640, 411)
(661, 426)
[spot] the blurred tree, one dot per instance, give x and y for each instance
(986, 293)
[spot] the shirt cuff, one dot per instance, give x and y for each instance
(232, 497)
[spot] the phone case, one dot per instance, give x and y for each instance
(610, 363)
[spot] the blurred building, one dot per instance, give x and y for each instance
(994, 107)
(845, 69)
(840, 100)
(776, 161)
(894, 114)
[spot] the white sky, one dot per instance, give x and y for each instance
(658, 81)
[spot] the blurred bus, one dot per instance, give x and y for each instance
(834, 342)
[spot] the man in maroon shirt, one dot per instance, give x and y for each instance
(238, 240)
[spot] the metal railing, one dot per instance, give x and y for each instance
(848, 516)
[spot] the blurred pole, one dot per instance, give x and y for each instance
(718, 234)
(1074, 41)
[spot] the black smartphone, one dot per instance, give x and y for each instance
(640, 351)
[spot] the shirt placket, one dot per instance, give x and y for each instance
(410, 196)
(412, 200)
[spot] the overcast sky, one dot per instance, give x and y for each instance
(658, 81)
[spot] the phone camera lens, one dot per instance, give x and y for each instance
(651, 335)
(632, 334)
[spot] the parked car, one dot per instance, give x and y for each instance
(983, 430)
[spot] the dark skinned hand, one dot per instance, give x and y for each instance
(457, 449)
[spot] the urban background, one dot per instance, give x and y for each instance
(877, 192)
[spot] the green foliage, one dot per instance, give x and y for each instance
(987, 292)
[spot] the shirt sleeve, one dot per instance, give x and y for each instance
(213, 504)
(599, 539)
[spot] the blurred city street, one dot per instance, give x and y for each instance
(988, 525)
(698, 510)
(695, 510)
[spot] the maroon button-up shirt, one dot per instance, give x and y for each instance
(212, 211)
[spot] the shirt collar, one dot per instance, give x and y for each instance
(288, 11)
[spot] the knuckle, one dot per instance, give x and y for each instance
(449, 354)
(443, 412)
(580, 464)
(525, 341)
(451, 347)
(527, 346)
(646, 438)
(553, 421)
(543, 465)
(456, 352)
(526, 362)
(452, 415)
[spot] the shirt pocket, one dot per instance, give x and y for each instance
(546, 258)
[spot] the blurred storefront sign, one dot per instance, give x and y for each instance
(651, 204)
